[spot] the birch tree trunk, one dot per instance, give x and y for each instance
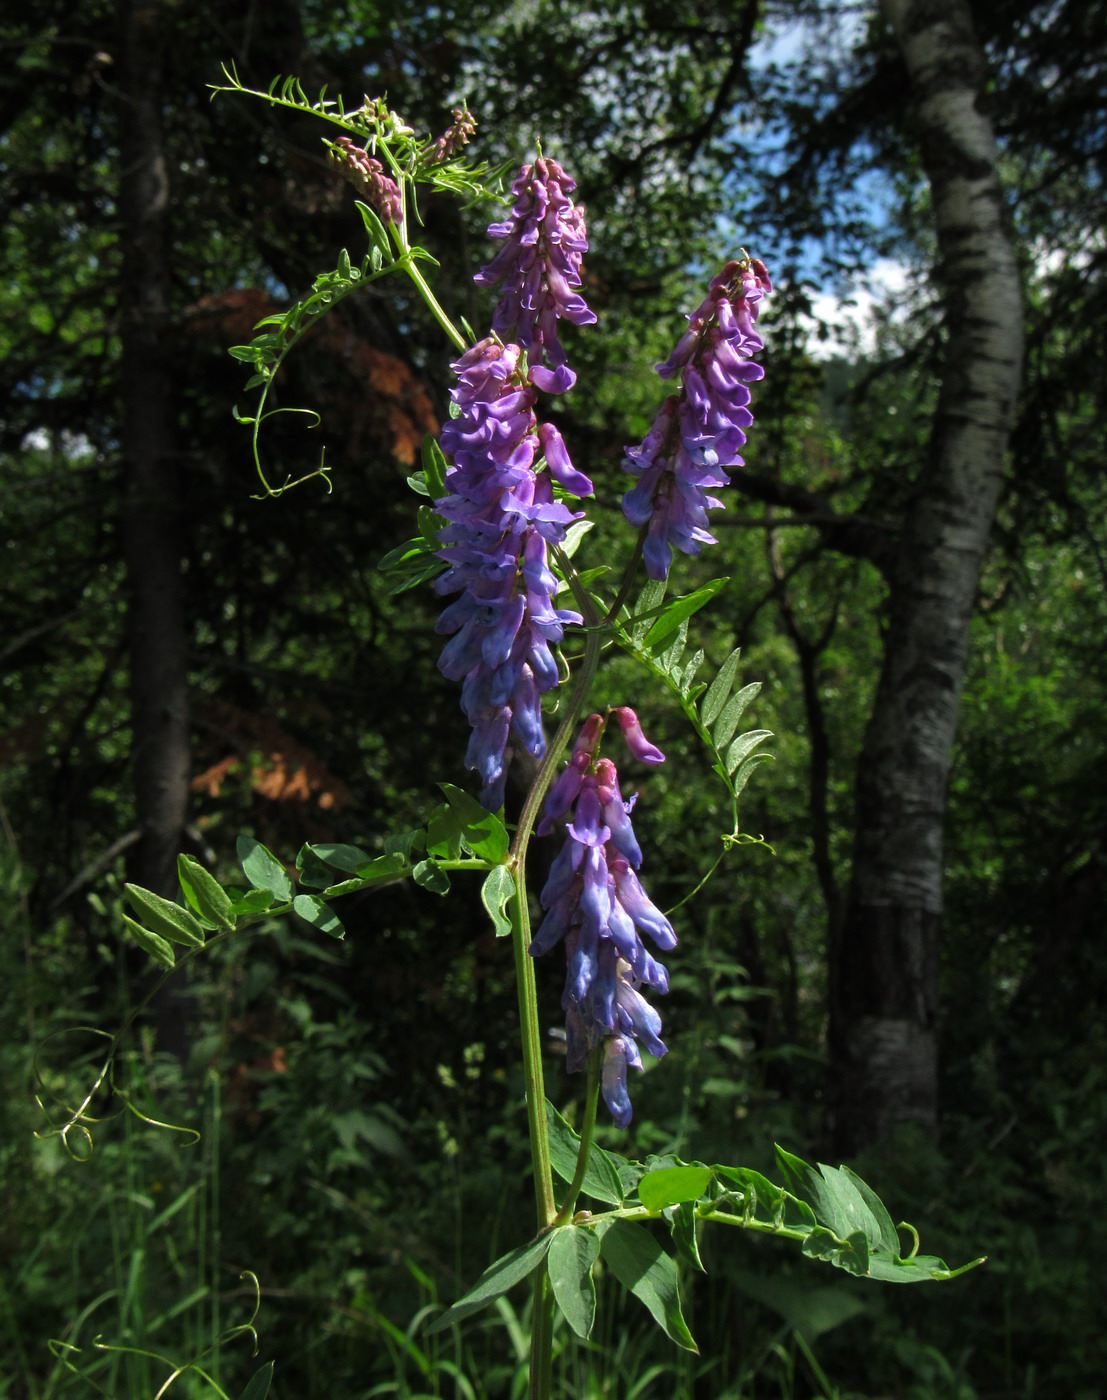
(884, 955)
(152, 542)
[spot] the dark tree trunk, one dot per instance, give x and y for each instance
(151, 519)
(884, 958)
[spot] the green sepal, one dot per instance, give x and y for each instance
(204, 892)
(496, 893)
(505, 1273)
(263, 870)
(572, 1253)
(164, 917)
(640, 1264)
(159, 948)
(320, 915)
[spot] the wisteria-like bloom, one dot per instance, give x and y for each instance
(503, 518)
(457, 135)
(698, 433)
(539, 264)
(596, 905)
(366, 174)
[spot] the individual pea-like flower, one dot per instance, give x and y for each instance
(596, 905)
(456, 136)
(698, 433)
(502, 519)
(366, 174)
(539, 264)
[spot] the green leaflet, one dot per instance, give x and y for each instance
(642, 1266)
(164, 917)
(505, 1273)
(153, 943)
(263, 870)
(572, 1253)
(204, 892)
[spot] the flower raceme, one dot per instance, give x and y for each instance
(502, 520)
(366, 174)
(539, 264)
(596, 905)
(698, 433)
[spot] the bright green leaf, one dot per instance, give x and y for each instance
(682, 1227)
(314, 911)
(497, 1279)
(152, 943)
(572, 1254)
(484, 833)
(164, 917)
(743, 745)
(431, 877)
(719, 688)
(671, 1185)
(496, 894)
(679, 610)
(342, 857)
(204, 892)
(601, 1178)
(732, 712)
(642, 1266)
(263, 870)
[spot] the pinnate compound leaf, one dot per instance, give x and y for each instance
(263, 870)
(496, 894)
(602, 1179)
(257, 1387)
(671, 1185)
(153, 943)
(204, 892)
(678, 611)
(319, 914)
(719, 689)
(505, 1273)
(572, 1254)
(642, 1266)
(164, 917)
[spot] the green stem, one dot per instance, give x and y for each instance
(587, 1127)
(541, 1337)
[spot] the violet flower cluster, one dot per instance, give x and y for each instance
(698, 433)
(455, 138)
(502, 520)
(596, 905)
(366, 174)
(539, 264)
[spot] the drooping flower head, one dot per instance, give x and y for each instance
(502, 519)
(539, 264)
(367, 176)
(698, 433)
(595, 904)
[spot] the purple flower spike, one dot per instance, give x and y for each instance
(698, 433)
(502, 519)
(539, 264)
(595, 904)
(366, 174)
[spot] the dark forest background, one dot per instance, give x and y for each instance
(910, 979)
